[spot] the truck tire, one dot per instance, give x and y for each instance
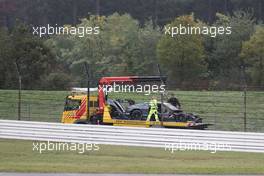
(80, 122)
(96, 119)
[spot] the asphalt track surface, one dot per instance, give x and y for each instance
(77, 174)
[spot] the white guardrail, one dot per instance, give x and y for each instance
(129, 136)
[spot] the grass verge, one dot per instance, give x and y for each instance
(17, 156)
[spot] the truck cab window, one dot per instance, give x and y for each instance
(71, 104)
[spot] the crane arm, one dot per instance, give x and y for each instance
(124, 80)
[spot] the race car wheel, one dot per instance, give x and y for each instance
(136, 115)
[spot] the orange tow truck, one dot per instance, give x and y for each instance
(104, 111)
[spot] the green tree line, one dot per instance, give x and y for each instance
(126, 46)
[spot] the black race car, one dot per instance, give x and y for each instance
(166, 111)
(124, 110)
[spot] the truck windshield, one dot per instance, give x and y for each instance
(72, 104)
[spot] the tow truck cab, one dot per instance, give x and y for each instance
(75, 109)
